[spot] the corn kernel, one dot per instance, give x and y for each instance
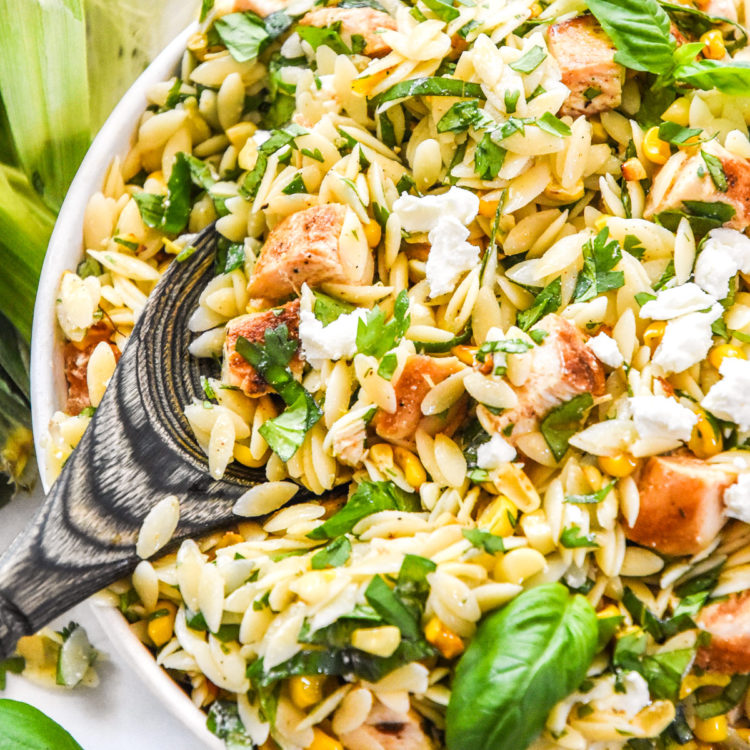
(600, 223)
(713, 45)
(678, 111)
(488, 209)
(620, 465)
(557, 192)
(654, 333)
(161, 626)
(242, 454)
(655, 149)
(705, 441)
(323, 741)
(715, 729)
(499, 517)
(372, 233)
(632, 170)
(598, 133)
(693, 681)
(519, 564)
(414, 472)
(239, 133)
(306, 690)
(464, 353)
(248, 155)
(382, 456)
(611, 610)
(443, 639)
(535, 10)
(382, 641)
(198, 44)
(725, 351)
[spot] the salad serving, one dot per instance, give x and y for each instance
(481, 314)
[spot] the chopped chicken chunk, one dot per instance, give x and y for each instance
(586, 57)
(728, 622)
(310, 247)
(681, 509)
(384, 729)
(77, 356)
(562, 367)
(685, 178)
(240, 373)
(419, 376)
(364, 22)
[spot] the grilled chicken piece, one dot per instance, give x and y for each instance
(562, 367)
(586, 57)
(384, 729)
(76, 357)
(681, 508)
(362, 21)
(314, 246)
(419, 376)
(728, 622)
(237, 371)
(680, 180)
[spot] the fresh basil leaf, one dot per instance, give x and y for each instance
(280, 138)
(731, 78)
(443, 9)
(591, 498)
(206, 7)
(388, 365)
(14, 665)
(243, 34)
(91, 267)
(224, 721)
(640, 30)
(538, 335)
(705, 582)
(436, 86)
(666, 276)
(573, 538)
(547, 301)
(510, 99)
(386, 603)
(607, 628)
(361, 4)
(664, 672)
(489, 157)
(253, 178)
(490, 543)
(412, 586)
(523, 660)
(327, 37)
(730, 696)
(564, 421)
(369, 498)
(597, 276)
(530, 60)
(694, 23)
(295, 185)
(553, 125)
(26, 728)
(200, 172)
(327, 309)
(169, 213)
(591, 93)
(643, 297)
(332, 555)
(286, 433)
(462, 116)
(439, 347)
(676, 134)
(716, 171)
(375, 337)
(509, 346)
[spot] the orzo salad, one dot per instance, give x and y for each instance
(483, 290)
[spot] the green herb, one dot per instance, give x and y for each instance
(332, 555)
(253, 178)
(26, 728)
(430, 87)
(14, 665)
(730, 696)
(643, 297)
(120, 241)
(387, 604)
(597, 276)
(489, 157)
(200, 172)
(524, 659)
(705, 582)
(224, 721)
(443, 9)
(510, 99)
(327, 37)
(591, 498)
(716, 170)
(206, 7)
(509, 346)
(538, 335)
(731, 78)
(327, 308)
(369, 498)
(388, 365)
(666, 276)
(313, 154)
(694, 23)
(375, 337)
(564, 421)
(591, 93)
(208, 389)
(530, 60)
(676, 134)
(435, 347)
(295, 185)
(553, 125)
(90, 267)
(168, 213)
(702, 215)
(572, 538)
(490, 543)
(464, 115)
(547, 301)
(660, 629)
(243, 34)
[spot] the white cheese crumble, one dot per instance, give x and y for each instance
(725, 252)
(679, 300)
(424, 214)
(686, 340)
(605, 349)
(662, 418)
(737, 499)
(728, 399)
(337, 340)
(635, 698)
(494, 453)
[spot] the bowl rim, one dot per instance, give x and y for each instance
(48, 389)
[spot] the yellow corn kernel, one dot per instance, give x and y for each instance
(557, 192)
(610, 611)
(382, 456)
(715, 729)
(654, 333)
(655, 149)
(600, 223)
(598, 133)
(198, 44)
(239, 133)
(365, 84)
(464, 353)
(306, 690)
(242, 454)
(414, 472)
(693, 681)
(713, 45)
(632, 170)
(170, 247)
(161, 626)
(725, 351)
(499, 516)
(519, 564)
(704, 440)
(535, 10)
(248, 155)
(620, 465)
(382, 641)
(323, 741)
(488, 209)
(678, 111)
(443, 639)
(372, 232)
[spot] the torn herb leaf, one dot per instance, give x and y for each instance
(591, 498)
(573, 538)
(597, 276)
(716, 171)
(485, 540)
(243, 34)
(332, 555)
(375, 337)
(547, 301)
(564, 421)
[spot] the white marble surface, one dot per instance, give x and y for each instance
(119, 714)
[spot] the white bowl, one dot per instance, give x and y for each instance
(47, 377)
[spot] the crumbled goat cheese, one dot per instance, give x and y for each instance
(337, 340)
(737, 499)
(725, 252)
(686, 340)
(728, 399)
(606, 350)
(425, 213)
(635, 698)
(494, 453)
(662, 418)
(679, 300)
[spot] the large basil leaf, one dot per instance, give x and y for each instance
(524, 659)
(729, 78)
(23, 727)
(640, 31)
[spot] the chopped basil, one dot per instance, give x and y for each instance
(573, 538)
(253, 178)
(529, 61)
(169, 212)
(538, 335)
(436, 86)
(200, 172)
(243, 34)
(597, 276)
(224, 721)
(511, 100)
(553, 125)
(715, 705)
(295, 185)
(592, 497)
(490, 543)
(333, 554)
(464, 115)
(388, 365)
(643, 297)
(731, 78)
(208, 389)
(443, 9)
(439, 347)
(375, 337)
(547, 301)
(120, 241)
(90, 267)
(632, 245)
(327, 309)
(661, 629)
(313, 154)
(591, 93)
(509, 346)
(488, 157)
(676, 134)
(206, 6)
(564, 421)
(328, 37)
(716, 170)
(666, 277)
(229, 255)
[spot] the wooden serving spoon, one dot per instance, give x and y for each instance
(138, 449)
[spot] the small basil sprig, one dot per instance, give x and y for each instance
(23, 726)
